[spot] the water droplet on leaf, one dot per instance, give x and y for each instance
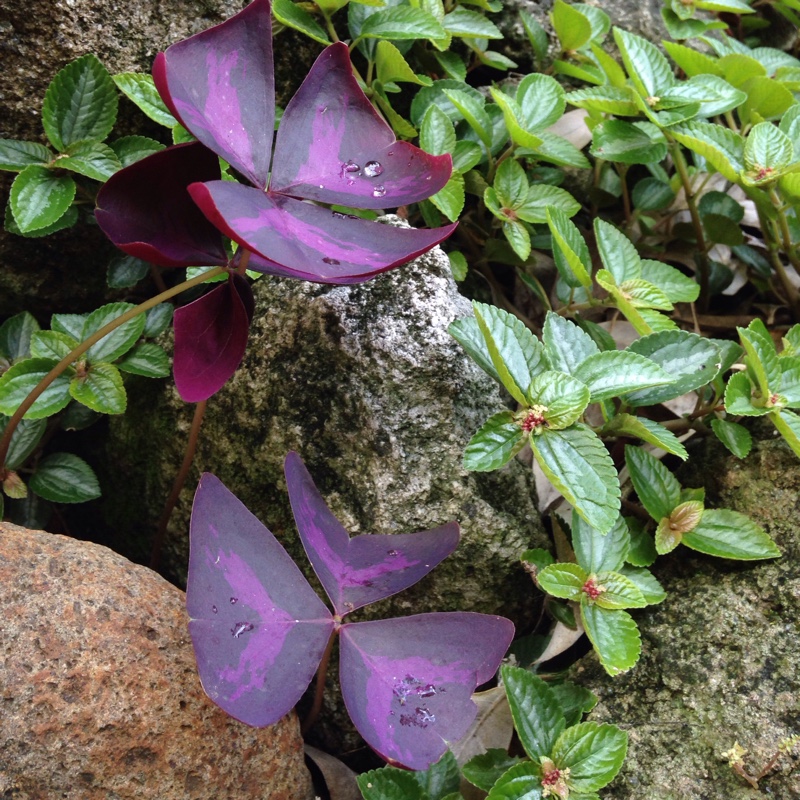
(234, 600)
(379, 191)
(241, 627)
(214, 609)
(392, 553)
(373, 168)
(332, 261)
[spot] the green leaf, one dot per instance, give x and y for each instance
(441, 778)
(483, 770)
(652, 194)
(157, 320)
(40, 198)
(617, 252)
(125, 271)
(71, 324)
(626, 143)
(80, 103)
(95, 160)
(467, 333)
(542, 198)
(518, 237)
(648, 68)
(677, 287)
(392, 67)
(402, 23)
(389, 783)
(472, 109)
(761, 359)
(16, 155)
(466, 155)
(691, 360)
(513, 118)
(468, 24)
(561, 398)
(141, 90)
(436, 133)
(101, 389)
(692, 61)
(77, 417)
(295, 16)
(15, 336)
(450, 198)
(739, 396)
(720, 146)
(452, 65)
(64, 478)
(767, 152)
(146, 359)
(521, 782)
(605, 100)
(130, 149)
(562, 580)
(52, 344)
(538, 558)
(652, 591)
(67, 220)
(788, 425)
(537, 35)
(120, 340)
(617, 592)
(458, 265)
(728, 534)
(734, 436)
(565, 344)
(24, 440)
(614, 635)
(658, 489)
(516, 354)
(577, 463)
(575, 700)
(542, 101)
(510, 184)
(715, 95)
(536, 711)
(22, 378)
(499, 439)
(642, 551)
(647, 430)
(572, 28)
(766, 99)
(617, 372)
(556, 150)
(643, 295)
(597, 552)
(569, 249)
(592, 753)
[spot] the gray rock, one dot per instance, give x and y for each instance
(100, 694)
(721, 655)
(366, 383)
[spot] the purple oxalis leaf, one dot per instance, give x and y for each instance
(362, 570)
(333, 147)
(220, 85)
(146, 210)
(210, 338)
(257, 627)
(310, 242)
(407, 683)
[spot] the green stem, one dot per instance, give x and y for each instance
(65, 362)
(622, 171)
(786, 235)
(329, 27)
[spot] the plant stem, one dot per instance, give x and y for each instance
(319, 688)
(65, 362)
(177, 486)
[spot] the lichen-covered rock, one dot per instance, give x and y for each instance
(100, 695)
(721, 655)
(366, 383)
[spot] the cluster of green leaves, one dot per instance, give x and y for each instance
(91, 386)
(565, 757)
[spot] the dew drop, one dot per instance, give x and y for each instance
(351, 168)
(373, 168)
(331, 261)
(424, 716)
(241, 627)
(321, 186)
(392, 553)
(379, 191)
(214, 609)
(234, 600)
(429, 690)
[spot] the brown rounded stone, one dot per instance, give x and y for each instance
(99, 690)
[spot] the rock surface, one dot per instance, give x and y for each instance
(100, 695)
(721, 655)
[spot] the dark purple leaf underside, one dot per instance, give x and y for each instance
(362, 570)
(333, 147)
(220, 84)
(308, 241)
(407, 683)
(257, 627)
(210, 339)
(147, 212)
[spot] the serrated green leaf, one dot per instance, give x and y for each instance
(40, 197)
(658, 489)
(141, 90)
(788, 425)
(614, 635)
(542, 198)
(652, 591)
(100, 389)
(605, 100)
(440, 779)
(389, 783)
(692, 61)
(536, 711)
(120, 340)
(625, 143)
(466, 24)
(146, 359)
(71, 324)
(559, 398)
(436, 133)
(537, 35)
(295, 16)
(537, 557)
(641, 294)
(767, 152)
(78, 417)
(467, 333)
(617, 252)
(512, 116)
(157, 320)
(715, 95)
(24, 440)
(52, 344)
(729, 534)
(392, 66)
(573, 29)
(483, 770)
(646, 65)
(458, 266)
(577, 463)
(542, 101)
(597, 552)
(473, 111)
(521, 781)
(452, 64)
(510, 184)
(15, 336)
(22, 378)
(402, 23)
(592, 753)
(65, 478)
(125, 271)
(651, 194)
(739, 398)
(67, 220)
(556, 150)
(677, 287)
(767, 99)
(647, 430)
(16, 155)
(618, 372)
(691, 360)
(575, 700)
(569, 249)
(80, 103)
(400, 126)
(761, 359)
(617, 592)
(495, 444)
(562, 580)
(95, 160)
(450, 198)
(720, 146)
(130, 149)
(642, 552)
(565, 344)
(734, 436)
